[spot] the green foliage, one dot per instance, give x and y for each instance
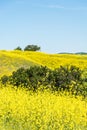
(36, 76)
(64, 78)
(31, 78)
(19, 78)
(18, 48)
(81, 53)
(4, 79)
(32, 48)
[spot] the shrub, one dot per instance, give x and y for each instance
(37, 76)
(64, 78)
(31, 78)
(67, 76)
(19, 78)
(4, 79)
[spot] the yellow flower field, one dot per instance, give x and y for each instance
(12, 60)
(24, 110)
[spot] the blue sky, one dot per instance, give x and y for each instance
(54, 25)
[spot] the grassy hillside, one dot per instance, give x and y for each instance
(12, 60)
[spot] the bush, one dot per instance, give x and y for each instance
(31, 78)
(64, 78)
(4, 79)
(37, 76)
(19, 78)
(67, 76)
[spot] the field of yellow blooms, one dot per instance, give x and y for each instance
(43, 110)
(12, 60)
(24, 110)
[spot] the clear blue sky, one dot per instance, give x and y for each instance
(54, 25)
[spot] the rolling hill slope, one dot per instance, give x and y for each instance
(12, 60)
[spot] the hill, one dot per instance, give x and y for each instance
(12, 60)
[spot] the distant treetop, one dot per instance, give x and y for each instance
(29, 48)
(32, 48)
(18, 48)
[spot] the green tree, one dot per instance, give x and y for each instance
(18, 48)
(32, 48)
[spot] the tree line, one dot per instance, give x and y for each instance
(29, 48)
